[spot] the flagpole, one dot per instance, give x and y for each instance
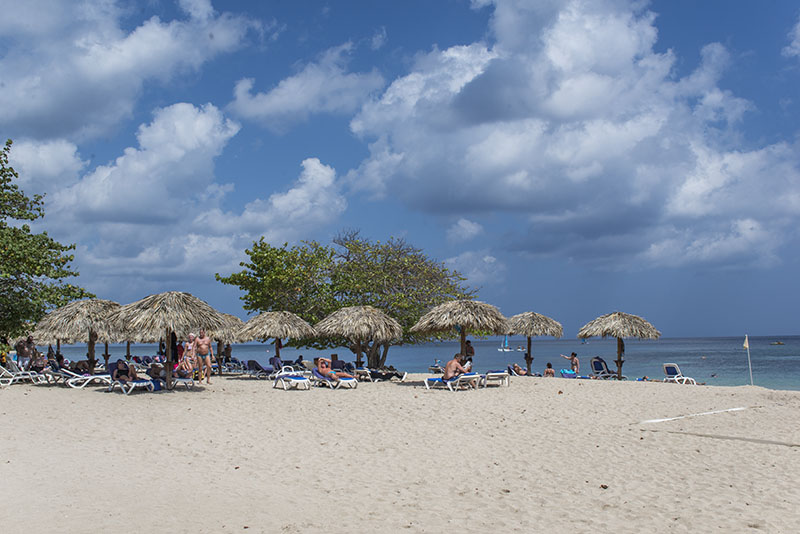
(749, 365)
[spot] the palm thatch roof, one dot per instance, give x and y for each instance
(72, 322)
(279, 325)
(464, 314)
(360, 323)
(229, 332)
(619, 325)
(533, 324)
(147, 320)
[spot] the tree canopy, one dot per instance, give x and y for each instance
(33, 266)
(313, 280)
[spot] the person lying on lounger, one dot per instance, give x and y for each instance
(324, 367)
(124, 372)
(519, 370)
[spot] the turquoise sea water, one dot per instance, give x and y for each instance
(716, 361)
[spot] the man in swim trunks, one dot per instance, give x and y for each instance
(324, 367)
(203, 351)
(454, 368)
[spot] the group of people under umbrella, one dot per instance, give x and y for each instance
(177, 313)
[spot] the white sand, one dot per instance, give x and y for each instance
(239, 456)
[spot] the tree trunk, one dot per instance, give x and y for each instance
(385, 352)
(373, 355)
(620, 357)
(463, 340)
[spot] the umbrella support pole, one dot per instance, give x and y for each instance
(529, 356)
(620, 359)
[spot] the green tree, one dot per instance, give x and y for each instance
(295, 279)
(396, 277)
(32, 266)
(313, 280)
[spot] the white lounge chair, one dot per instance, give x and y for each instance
(674, 374)
(468, 380)
(497, 376)
(295, 381)
(13, 372)
(319, 379)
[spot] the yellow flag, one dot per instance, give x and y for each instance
(746, 343)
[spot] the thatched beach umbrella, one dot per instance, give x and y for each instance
(532, 324)
(278, 325)
(360, 325)
(158, 316)
(80, 319)
(619, 325)
(462, 315)
(227, 334)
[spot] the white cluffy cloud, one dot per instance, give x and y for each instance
(793, 48)
(463, 230)
(478, 267)
(574, 121)
(71, 70)
(324, 86)
(313, 201)
(155, 212)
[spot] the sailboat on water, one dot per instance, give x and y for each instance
(504, 346)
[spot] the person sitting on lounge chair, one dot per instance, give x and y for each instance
(549, 372)
(453, 368)
(324, 367)
(124, 372)
(519, 370)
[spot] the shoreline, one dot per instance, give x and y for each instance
(552, 454)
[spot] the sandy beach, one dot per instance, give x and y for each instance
(543, 455)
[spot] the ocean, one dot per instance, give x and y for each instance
(719, 361)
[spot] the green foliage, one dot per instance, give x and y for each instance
(286, 279)
(313, 280)
(32, 266)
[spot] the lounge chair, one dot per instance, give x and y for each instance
(128, 385)
(256, 370)
(437, 381)
(467, 380)
(674, 374)
(600, 369)
(322, 380)
(54, 374)
(15, 374)
(497, 376)
(292, 381)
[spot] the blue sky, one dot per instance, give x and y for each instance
(569, 157)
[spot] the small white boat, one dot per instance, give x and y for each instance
(504, 346)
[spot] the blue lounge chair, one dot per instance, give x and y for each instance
(600, 369)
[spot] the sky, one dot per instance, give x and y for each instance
(568, 157)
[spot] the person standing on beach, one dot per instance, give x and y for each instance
(204, 352)
(469, 350)
(25, 351)
(573, 360)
